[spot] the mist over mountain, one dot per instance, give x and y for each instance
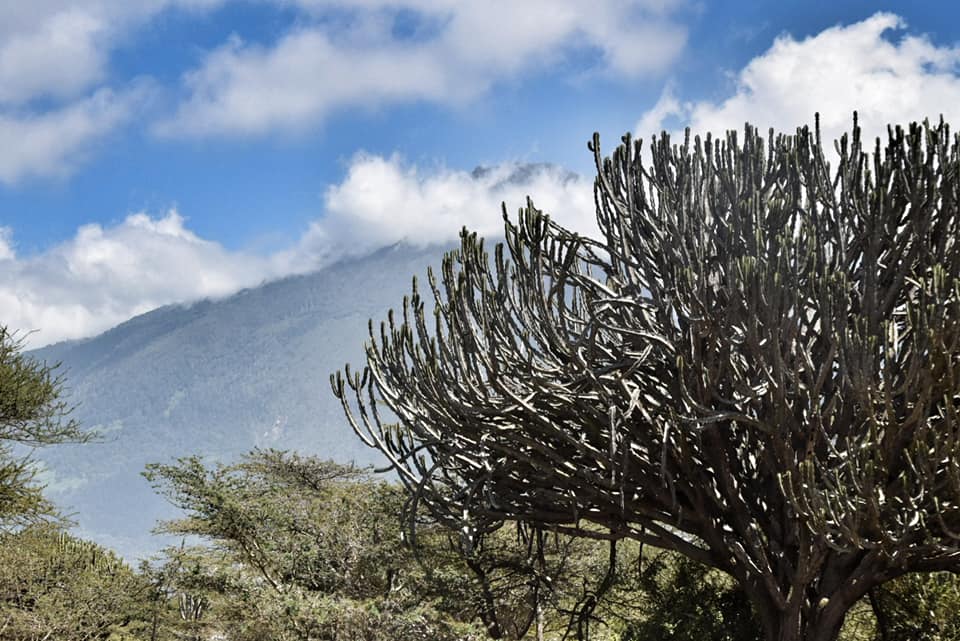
(216, 378)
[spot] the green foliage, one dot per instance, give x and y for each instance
(55, 586)
(299, 548)
(52, 585)
(919, 607)
(687, 600)
(288, 518)
(32, 414)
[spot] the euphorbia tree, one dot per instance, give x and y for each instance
(757, 364)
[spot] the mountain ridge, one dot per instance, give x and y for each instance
(216, 377)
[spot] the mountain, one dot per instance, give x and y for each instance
(216, 378)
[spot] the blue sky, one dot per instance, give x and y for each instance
(155, 151)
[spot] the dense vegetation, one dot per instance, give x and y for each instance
(792, 334)
(215, 378)
(294, 548)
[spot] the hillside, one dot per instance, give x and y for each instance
(217, 378)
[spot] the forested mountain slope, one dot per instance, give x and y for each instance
(217, 378)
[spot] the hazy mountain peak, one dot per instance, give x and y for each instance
(218, 377)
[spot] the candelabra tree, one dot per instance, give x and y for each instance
(756, 364)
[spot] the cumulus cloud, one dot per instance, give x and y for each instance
(60, 58)
(465, 48)
(53, 142)
(384, 200)
(872, 66)
(55, 99)
(104, 275)
(244, 89)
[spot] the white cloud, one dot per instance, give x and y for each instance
(57, 100)
(384, 200)
(7, 251)
(105, 275)
(863, 67)
(470, 45)
(249, 89)
(52, 142)
(60, 58)
(56, 53)
(61, 48)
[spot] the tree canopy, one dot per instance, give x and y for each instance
(56, 586)
(300, 548)
(32, 414)
(294, 547)
(756, 364)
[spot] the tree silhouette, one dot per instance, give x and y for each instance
(757, 364)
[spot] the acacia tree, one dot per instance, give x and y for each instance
(32, 414)
(757, 364)
(297, 548)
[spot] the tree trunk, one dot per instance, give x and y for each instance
(811, 602)
(813, 618)
(883, 626)
(782, 626)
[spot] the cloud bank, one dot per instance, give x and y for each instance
(383, 200)
(105, 275)
(56, 99)
(453, 52)
(872, 66)
(60, 96)
(53, 142)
